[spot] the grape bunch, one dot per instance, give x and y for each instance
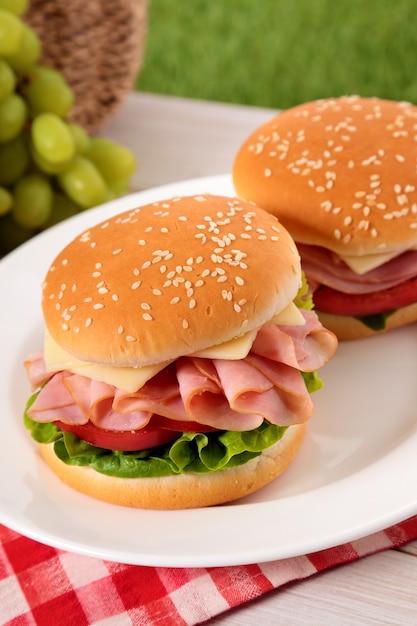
(50, 167)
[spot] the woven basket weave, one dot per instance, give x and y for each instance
(98, 45)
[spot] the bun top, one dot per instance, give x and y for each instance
(169, 278)
(340, 173)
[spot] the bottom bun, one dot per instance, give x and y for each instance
(185, 490)
(345, 327)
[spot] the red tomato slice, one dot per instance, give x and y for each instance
(329, 300)
(160, 430)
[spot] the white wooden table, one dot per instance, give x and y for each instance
(177, 139)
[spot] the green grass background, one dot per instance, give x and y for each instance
(277, 53)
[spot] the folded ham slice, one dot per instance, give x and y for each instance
(323, 267)
(228, 395)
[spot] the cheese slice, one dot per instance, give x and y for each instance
(232, 350)
(367, 262)
(128, 378)
(131, 379)
(290, 316)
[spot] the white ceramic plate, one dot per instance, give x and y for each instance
(355, 474)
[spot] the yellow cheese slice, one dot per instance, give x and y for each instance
(133, 378)
(232, 350)
(290, 316)
(366, 263)
(128, 378)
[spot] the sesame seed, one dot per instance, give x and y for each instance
(239, 280)
(117, 251)
(142, 242)
(192, 303)
(145, 306)
(120, 330)
(88, 322)
(114, 297)
(98, 306)
(136, 284)
(185, 324)
(175, 300)
(147, 317)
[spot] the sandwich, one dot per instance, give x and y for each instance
(179, 355)
(340, 173)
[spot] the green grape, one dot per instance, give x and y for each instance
(11, 234)
(6, 201)
(11, 32)
(13, 116)
(45, 166)
(118, 187)
(52, 139)
(7, 80)
(28, 53)
(32, 200)
(113, 161)
(83, 183)
(47, 91)
(62, 208)
(80, 136)
(18, 7)
(14, 160)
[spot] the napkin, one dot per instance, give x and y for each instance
(43, 585)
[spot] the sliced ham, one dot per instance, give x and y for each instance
(56, 399)
(305, 347)
(324, 267)
(36, 370)
(228, 395)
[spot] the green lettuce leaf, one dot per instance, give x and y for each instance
(376, 322)
(191, 452)
(304, 299)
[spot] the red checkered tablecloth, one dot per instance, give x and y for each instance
(39, 584)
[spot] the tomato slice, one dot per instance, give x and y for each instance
(158, 431)
(330, 300)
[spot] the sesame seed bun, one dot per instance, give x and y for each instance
(168, 279)
(340, 173)
(185, 490)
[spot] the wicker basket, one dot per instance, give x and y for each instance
(98, 45)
